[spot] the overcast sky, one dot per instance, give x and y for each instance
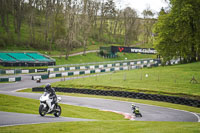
(140, 5)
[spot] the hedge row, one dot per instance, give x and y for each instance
(154, 97)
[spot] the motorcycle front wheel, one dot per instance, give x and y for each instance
(58, 111)
(42, 110)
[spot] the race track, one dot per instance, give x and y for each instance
(8, 119)
(149, 112)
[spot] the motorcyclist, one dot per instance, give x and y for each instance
(133, 108)
(52, 95)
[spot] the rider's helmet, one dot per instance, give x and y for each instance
(48, 86)
(132, 105)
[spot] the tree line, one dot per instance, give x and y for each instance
(177, 31)
(68, 24)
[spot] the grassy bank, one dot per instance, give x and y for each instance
(108, 127)
(168, 80)
(31, 106)
(93, 57)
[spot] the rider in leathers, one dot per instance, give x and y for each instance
(52, 95)
(133, 108)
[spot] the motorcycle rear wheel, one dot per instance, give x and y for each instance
(58, 111)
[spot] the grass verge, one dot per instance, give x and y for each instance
(107, 127)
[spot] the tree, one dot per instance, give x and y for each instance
(102, 20)
(147, 25)
(48, 11)
(18, 12)
(178, 31)
(75, 22)
(93, 15)
(5, 6)
(85, 25)
(164, 30)
(130, 26)
(31, 20)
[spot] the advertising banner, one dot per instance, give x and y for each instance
(115, 49)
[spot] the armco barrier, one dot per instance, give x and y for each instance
(154, 62)
(123, 63)
(97, 70)
(154, 97)
(10, 79)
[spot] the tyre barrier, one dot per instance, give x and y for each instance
(154, 97)
(10, 79)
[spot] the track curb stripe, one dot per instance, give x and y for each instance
(126, 115)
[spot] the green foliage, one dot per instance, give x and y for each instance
(35, 24)
(178, 31)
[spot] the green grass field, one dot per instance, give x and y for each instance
(93, 57)
(107, 127)
(169, 80)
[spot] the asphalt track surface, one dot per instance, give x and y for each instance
(8, 119)
(149, 112)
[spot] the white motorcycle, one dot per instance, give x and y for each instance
(45, 105)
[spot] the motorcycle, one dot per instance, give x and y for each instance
(136, 111)
(45, 102)
(38, 80)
